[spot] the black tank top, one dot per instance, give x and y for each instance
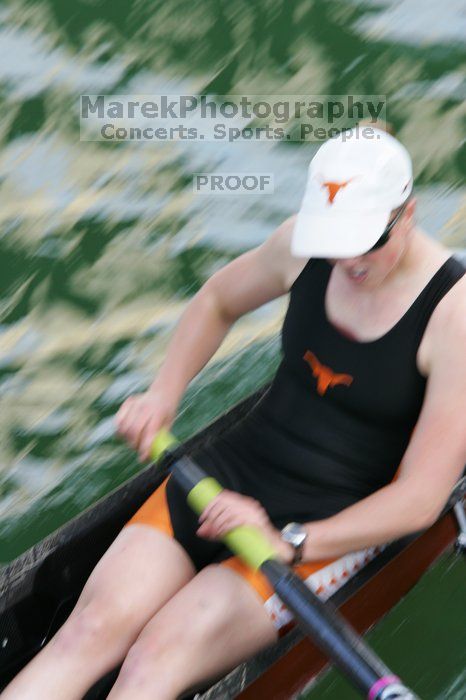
(337, 418)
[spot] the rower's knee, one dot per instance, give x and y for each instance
(151, 665)
(97, 625)
(164, 652)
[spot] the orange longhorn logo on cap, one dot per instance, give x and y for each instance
(333, 188)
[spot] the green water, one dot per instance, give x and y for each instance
(423, 639)
(102, 245)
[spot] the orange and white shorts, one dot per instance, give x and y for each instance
(323, 577)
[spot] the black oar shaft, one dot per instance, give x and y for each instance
(326, 628)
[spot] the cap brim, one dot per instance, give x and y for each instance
(337, 235)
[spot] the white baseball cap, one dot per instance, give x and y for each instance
(354, 182)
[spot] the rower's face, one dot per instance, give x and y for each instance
(371, 269)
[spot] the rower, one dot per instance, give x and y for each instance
(320, 449)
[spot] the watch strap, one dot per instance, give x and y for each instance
(298, 554)
(298, 548)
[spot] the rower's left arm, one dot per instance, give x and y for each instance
(432, 463)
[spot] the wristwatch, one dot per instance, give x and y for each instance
(295, 534)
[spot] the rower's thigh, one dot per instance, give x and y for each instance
(139, 572)
(213, 623)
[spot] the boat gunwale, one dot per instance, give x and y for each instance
(15, 573)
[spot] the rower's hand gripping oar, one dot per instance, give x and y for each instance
(321, 621)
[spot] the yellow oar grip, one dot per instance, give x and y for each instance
(246, 541)
(163, 441)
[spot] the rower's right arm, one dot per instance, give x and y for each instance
(254, 278)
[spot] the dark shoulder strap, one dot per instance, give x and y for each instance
(444, 279)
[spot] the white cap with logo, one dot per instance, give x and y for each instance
(354, 183)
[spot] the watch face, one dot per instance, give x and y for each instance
(294, 533)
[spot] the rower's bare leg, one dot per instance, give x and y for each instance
(138, 574)
(213, 623)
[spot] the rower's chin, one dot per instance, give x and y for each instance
(357, 277)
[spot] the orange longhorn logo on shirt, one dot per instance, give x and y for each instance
(333, 188)
(325, 376)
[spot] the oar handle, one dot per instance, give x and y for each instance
(246, 541)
